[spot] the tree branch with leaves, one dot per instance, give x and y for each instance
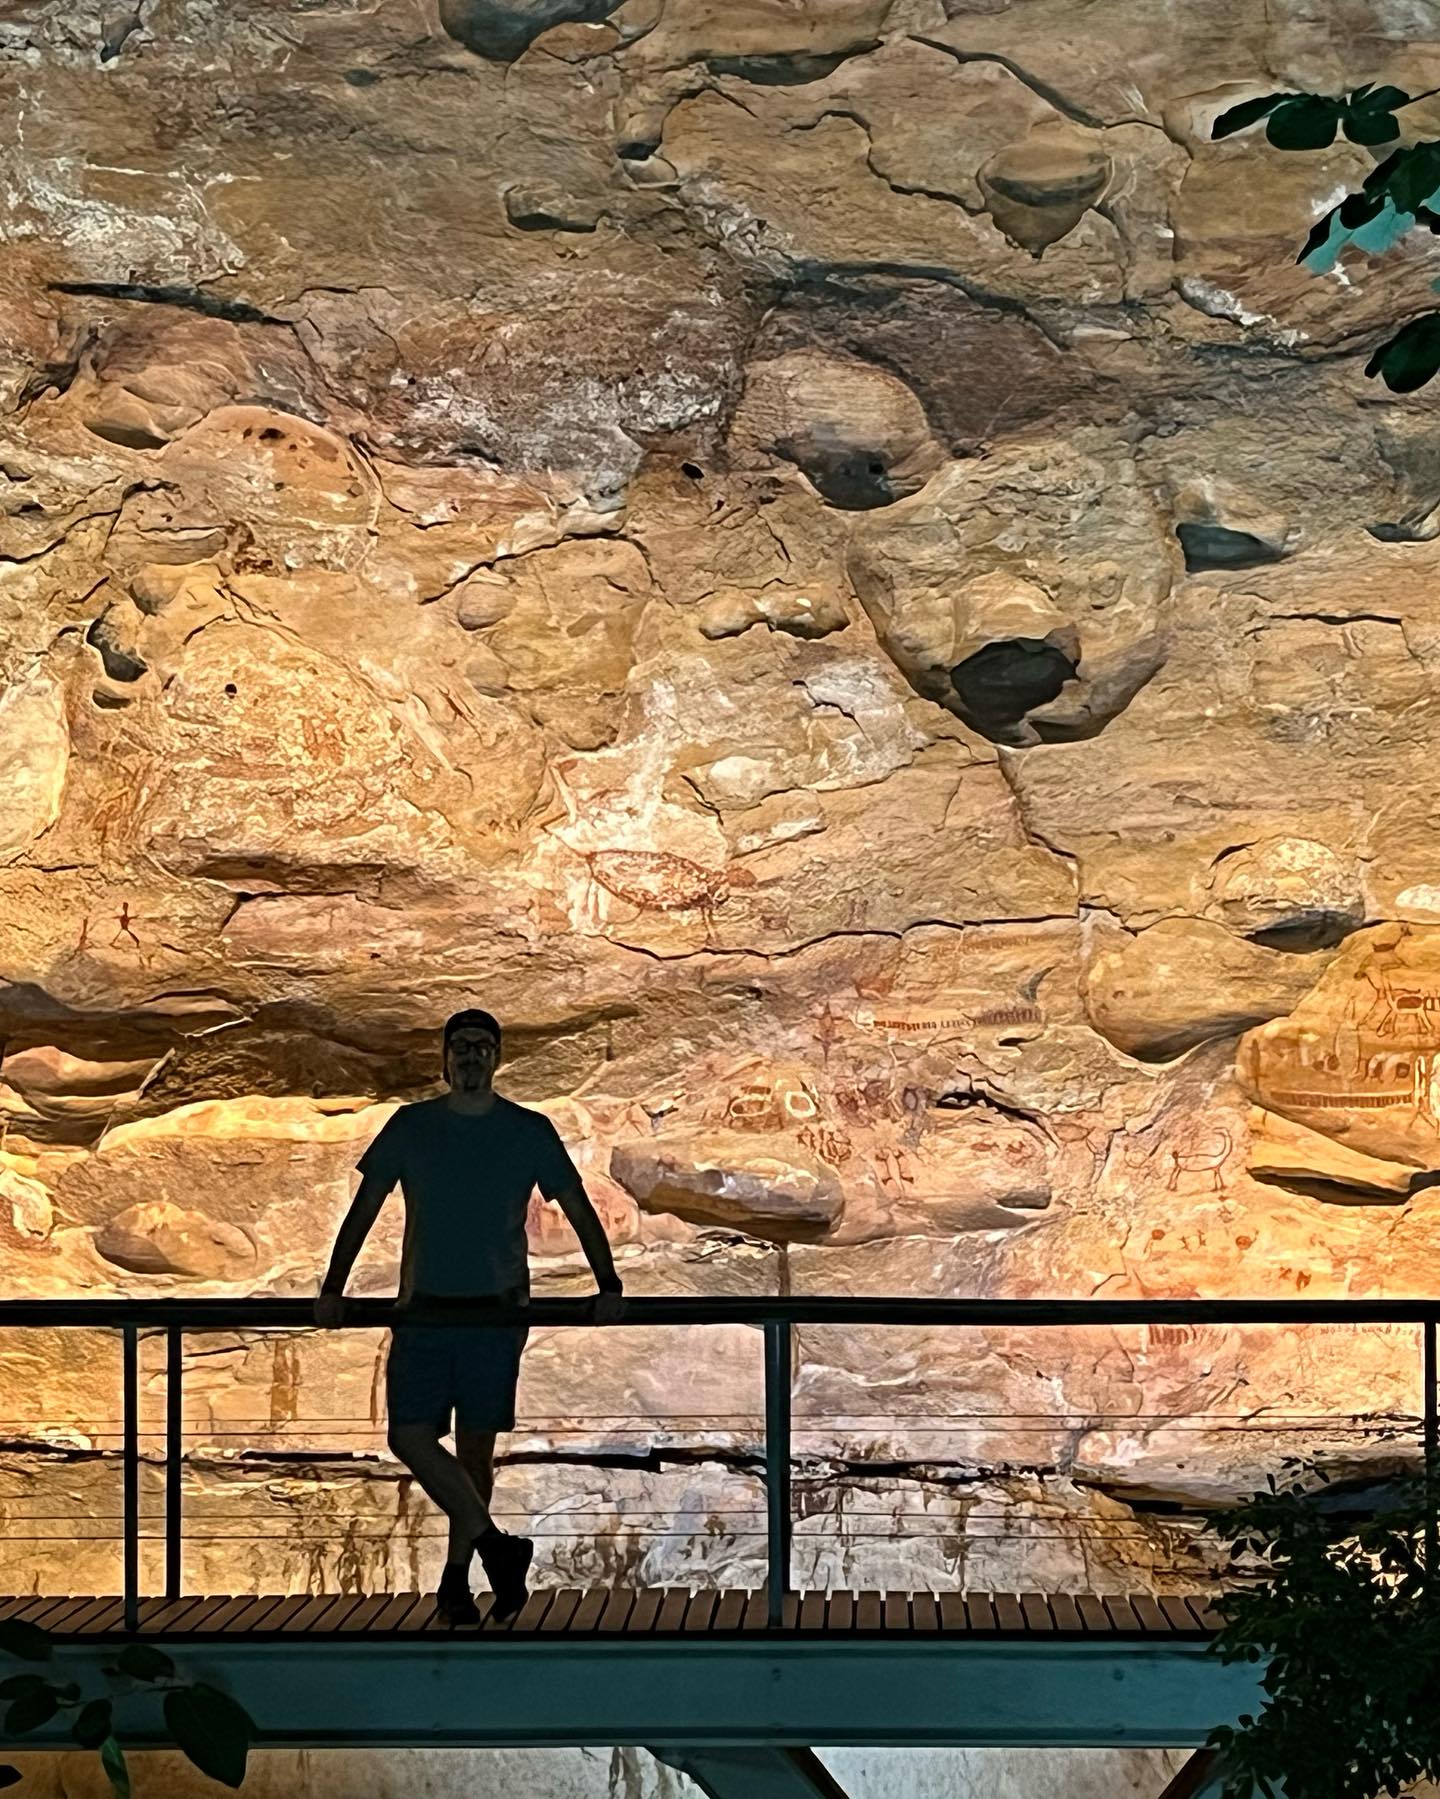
(1401, 194)
(1347, 1622)
(212, 1729)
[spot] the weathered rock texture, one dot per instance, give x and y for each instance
(821, 560)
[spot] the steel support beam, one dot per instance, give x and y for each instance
(861, 1692)
(1200, 1777)
(754, 1773)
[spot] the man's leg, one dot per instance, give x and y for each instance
(475, 1450)
(445, 1481)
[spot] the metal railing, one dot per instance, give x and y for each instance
(776, 1317)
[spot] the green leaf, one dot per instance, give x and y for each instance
(1358, 209)
(1371, 127)
(30, 1711)
(1248, 112)
(92, 1726)
(1378, 99)
(1411, 175)
(142, 1661)
(27, 1641)
(1304, 122)
(112, 1760)
(1411, 357)
(22, 1683)
(212, 1729)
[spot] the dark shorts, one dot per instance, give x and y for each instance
(472, 1371)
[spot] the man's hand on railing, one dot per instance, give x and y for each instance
(330, 1310)
(609, 1304)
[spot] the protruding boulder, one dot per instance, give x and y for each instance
(1222, 527)
(726, 1178)
(160, 1237)
(502, 30)
(1039, 189)
(1184, 981)
(1023, 593)
(67, 1098)
(1358, 1058)
(858, 434)
(1287, 892)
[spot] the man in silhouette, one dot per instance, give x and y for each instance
(467, 1162)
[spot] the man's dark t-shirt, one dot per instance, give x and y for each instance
(467, 1178)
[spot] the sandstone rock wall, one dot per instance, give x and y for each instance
(819, 559)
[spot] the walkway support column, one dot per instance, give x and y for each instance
(754, 1773)
(777, 1464)
(130, 1454)
(174, 1456)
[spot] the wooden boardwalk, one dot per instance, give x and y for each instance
(566, 1613)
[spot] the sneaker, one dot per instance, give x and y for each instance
(453, 1602)
(506, 1561)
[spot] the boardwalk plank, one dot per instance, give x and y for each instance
(700, 1611)
(89, 1610)
(1121, 1616)
(1203, 1612)
(168, 1613)
(305, 1615)
(1065, 1612)
(218, 1622)
(1037, 1614)
(389, 1618)
(563, 1610)
(1177, 1614)
(756, 1615)
(924, 1613)
(618, 1607)
(272, 1618)
(330, 1620)
(644, 1612)
(955, 1614)
(27, 1606)
(627, 1612)
(869, 1610)
(58, 1618)
(1093, 1614)
(110, 1617)
(531, 1615)
(672, 1609)
(419, 1615)
(587, 1613)
(729, 1610)
(365, 1614)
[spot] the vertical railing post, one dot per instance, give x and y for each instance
(130, 1413)
(174, 1456)
(1432, 1459)
(777, 1463)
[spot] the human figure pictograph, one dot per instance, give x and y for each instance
(467, 1162)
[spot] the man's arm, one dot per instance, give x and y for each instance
(350, 1238)
(577, 1206)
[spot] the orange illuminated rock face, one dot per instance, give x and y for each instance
(1358, 1060)
(828, 568)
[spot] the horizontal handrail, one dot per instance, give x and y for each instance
(375, 1314)
(775, 1313)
